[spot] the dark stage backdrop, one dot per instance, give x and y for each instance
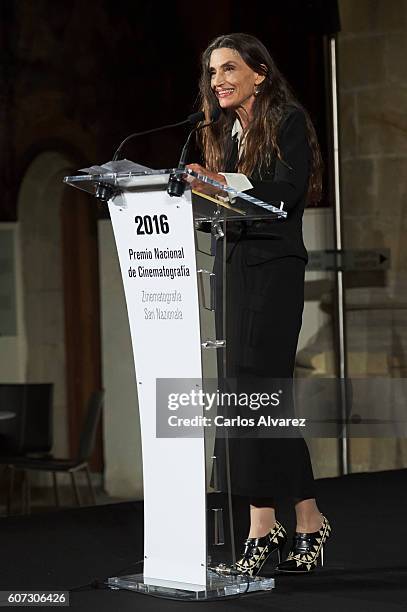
(79, 77)
(76, 78)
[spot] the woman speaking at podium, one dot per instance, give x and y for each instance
(264, 144)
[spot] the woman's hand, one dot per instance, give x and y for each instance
(205, 187)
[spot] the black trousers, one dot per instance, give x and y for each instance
(263, 319)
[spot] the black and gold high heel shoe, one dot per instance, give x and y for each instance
(258, 550)
(306, 550)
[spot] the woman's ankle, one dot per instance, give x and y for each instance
(262, 520)
(309, 524)
(261, 530)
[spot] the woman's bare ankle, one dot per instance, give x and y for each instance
(309, 524)
(260, 530)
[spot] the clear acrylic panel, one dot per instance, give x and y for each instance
(235, 206)
(221, 540)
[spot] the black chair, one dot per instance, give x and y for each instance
(27, 430)
(30, 429)
(57, 465)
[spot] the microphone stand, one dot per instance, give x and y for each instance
(194, 118)
(106, 191)
(176, 184)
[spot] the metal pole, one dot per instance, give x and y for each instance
(340, 292)
(225, 374)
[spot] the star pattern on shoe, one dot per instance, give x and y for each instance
(257, 550)
(307, 548)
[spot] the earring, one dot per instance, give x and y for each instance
(256, 90)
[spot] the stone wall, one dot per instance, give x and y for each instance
(372, 54)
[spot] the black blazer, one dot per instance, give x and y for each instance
(288, 182)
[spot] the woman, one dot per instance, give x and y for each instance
(264, 144)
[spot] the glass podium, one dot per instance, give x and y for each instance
(175, 298)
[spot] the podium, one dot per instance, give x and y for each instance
(188, 532)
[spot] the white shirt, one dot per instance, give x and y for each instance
(237, 180)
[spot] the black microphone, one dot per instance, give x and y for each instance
(176, 184)
(214, 117)
(192, 119)
(105, 191)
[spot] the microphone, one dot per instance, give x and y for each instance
(105, 191)
(214, 117)
(191, 119)
(176, 184)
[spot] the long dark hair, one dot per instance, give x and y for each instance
(269, 108)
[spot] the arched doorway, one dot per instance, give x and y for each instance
(58, 239)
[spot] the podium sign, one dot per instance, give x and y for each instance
(155, 245)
